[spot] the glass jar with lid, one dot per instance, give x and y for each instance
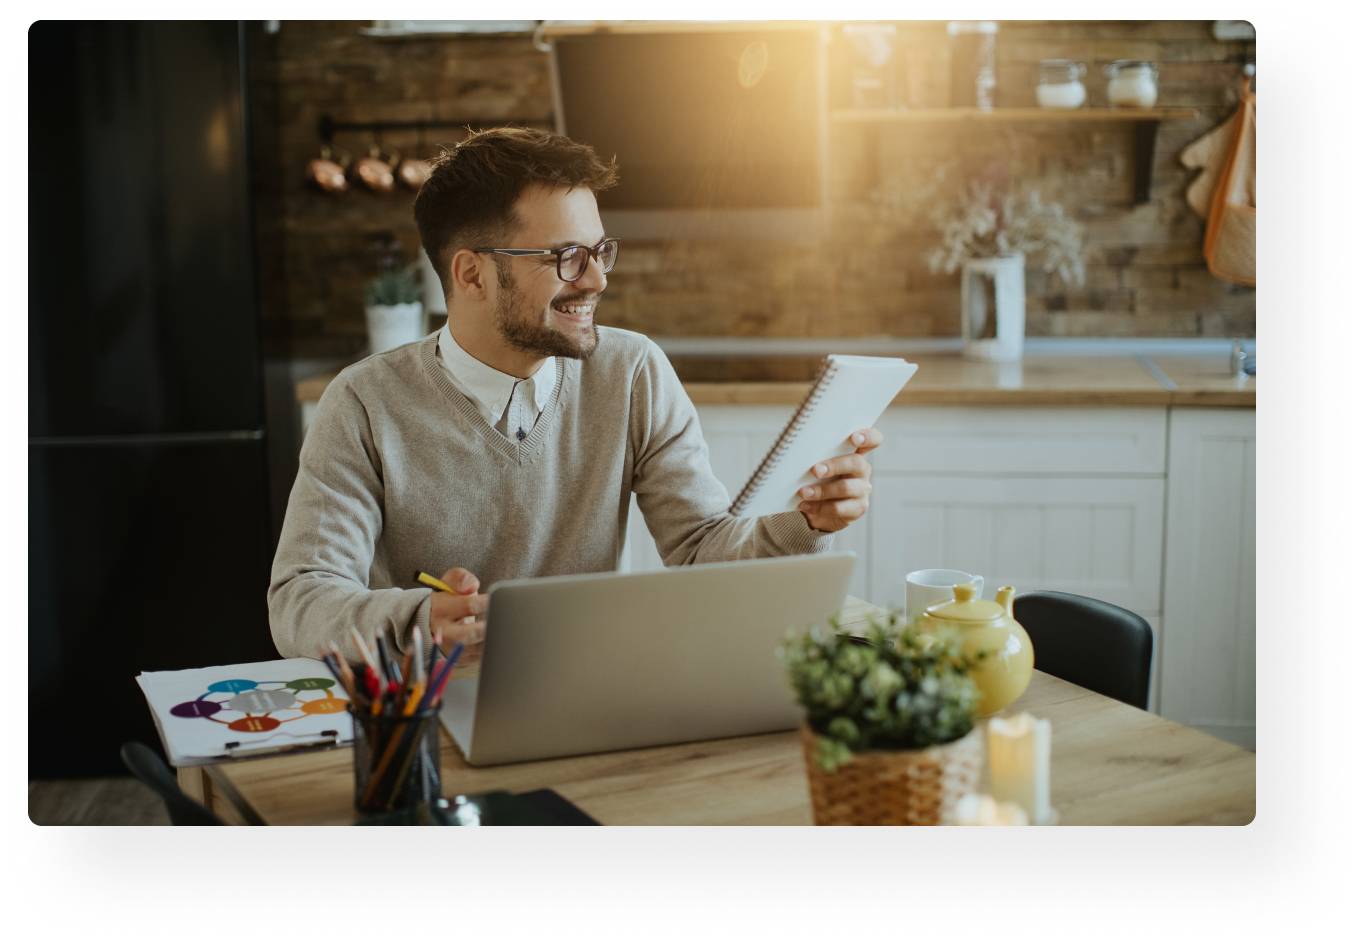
(1132, 83)
(971, 53)
(1059, 84)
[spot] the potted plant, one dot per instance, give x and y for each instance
(393, 309)
(988, 229)
(889, 735)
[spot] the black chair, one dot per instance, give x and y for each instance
(1094, 644)
(148, 768)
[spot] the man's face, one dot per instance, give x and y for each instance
(535, 311)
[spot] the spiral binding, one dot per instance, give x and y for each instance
(788, 434)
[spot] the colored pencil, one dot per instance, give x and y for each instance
(436, 640)
(363, 648)
(386, 658)
(347, 675)
(439, 680)
(409, 744)
(331, 662)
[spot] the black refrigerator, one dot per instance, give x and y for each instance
(149, 532)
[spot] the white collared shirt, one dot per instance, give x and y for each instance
(487, 388)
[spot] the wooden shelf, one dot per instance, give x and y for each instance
(1144, 121)
(563, 29)
(919, 115)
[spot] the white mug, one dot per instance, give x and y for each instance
(925, 587)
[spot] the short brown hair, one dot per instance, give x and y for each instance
(475, 184)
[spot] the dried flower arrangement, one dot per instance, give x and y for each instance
(984, 217)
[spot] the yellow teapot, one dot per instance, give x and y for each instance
(987, 626)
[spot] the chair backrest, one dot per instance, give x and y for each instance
(1097, 645)
(148, 768)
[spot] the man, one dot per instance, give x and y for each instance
(508, 443)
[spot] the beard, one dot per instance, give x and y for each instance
(522, 328)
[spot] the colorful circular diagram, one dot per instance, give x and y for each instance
(261, 706)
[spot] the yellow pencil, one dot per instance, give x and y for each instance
(430, 580)
(415, 698)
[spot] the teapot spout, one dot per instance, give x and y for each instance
(1005, 599)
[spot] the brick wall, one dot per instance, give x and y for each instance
(1145, 276)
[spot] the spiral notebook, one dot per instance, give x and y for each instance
(849, 393)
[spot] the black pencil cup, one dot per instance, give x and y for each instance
(397, 761)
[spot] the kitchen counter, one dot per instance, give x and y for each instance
(1038, 380)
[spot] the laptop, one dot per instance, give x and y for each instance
(594, 663)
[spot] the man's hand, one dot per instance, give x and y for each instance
(844, 488)
(459, 617)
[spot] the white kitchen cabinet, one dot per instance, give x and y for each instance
(1208, 676)
(1099, 537)
(738, 437)
(1020, 441)
(1068, 499)
(1153, 688)
(1039, 498)
(306, 413)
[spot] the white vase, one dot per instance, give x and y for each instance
(992, 308)
(392, 325)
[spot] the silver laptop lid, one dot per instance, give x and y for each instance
(593, 663)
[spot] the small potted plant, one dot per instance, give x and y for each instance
(393, 309)
(889, 734)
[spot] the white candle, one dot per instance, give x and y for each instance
(1020, 764)
(982, 810)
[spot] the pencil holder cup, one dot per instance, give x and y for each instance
(397, 761)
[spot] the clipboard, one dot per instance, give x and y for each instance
(239, 711)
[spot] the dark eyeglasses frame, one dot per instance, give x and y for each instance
(594, 251)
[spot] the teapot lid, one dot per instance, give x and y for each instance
(966, 607)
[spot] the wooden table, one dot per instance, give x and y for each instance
(1111, 764)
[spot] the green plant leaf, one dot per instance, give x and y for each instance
(896, 689)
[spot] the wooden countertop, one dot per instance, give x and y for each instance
(1039, 380)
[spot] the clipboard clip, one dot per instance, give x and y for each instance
(237, 749)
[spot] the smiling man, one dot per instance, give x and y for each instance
(508, 443)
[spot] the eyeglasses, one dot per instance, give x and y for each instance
(571, 260)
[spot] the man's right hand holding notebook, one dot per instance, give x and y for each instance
(844, 489)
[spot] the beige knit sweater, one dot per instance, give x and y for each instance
(400, 472)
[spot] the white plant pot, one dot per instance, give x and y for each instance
(392, 325)
(992, 309)
(433, 295)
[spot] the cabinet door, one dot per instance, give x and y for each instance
(737, 438)
(1208, 678)
(1099, 537)
(1069, 442)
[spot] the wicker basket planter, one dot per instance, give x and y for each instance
(905, 786)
